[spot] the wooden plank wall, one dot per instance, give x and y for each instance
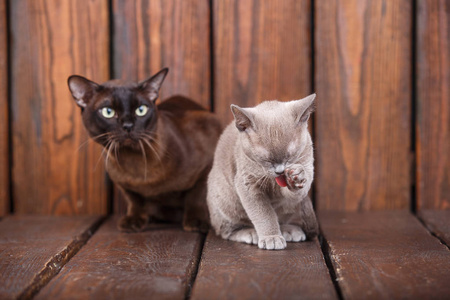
(433, 104)
(262, 51)
(363, 82)
(51, 40)
(374, 76)
(4, 134)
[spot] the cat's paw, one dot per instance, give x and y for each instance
(132, 223)
(247, 235)
(292, 233)
(272, 242)
(295, 177)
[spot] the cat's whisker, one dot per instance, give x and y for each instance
(90, 140)
(266, 181)
(152, 139)
(83, 144)
(145, 159)
(116, 146)
(108, 152)
(101, 154)
(153, 150)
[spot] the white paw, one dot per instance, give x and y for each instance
(272, 242)
(247, 235)
(293, 233)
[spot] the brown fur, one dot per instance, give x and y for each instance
(156, 179)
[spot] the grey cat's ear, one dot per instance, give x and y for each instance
(242, 117)
(152, 85)
(81, 89)
(304, 108)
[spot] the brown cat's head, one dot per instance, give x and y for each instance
(119, 115)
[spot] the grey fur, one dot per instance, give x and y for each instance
(244, 200)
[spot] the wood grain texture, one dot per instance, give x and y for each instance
(231, 270)
(385, 255)
(433, 104)
(438, 222)
(34, 248)
(262, 51)
(54, 170)
(362, 122)
(4, 123)
(156, 264)
(152, 34)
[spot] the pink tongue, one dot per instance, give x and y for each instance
(281, 180)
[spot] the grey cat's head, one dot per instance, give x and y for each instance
(274, 133)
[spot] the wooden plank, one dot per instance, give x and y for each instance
(53, 39)
(363, 117)
(231, 270)
(433, 105)
(34, 248)
(385, 255)
(152, 34)
(438, 222)
(156, 264)
(262, 51)
(4, 123)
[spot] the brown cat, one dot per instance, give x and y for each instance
(158, 155)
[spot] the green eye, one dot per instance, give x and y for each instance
(141, 110)
(108, 112)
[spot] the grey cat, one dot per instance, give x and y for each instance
(262, 172)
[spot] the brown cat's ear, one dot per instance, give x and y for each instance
(242, 117)
(82, 89)
(304, 108)
(152, 85)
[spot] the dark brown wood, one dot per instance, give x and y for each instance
(433, 105)
(385, 255)
(156, 264)
(363, 117)
(4, 126)
(153, 34)
(262, 51)
(54, 170)
(438, 222)
(34, 248)
(231, 270)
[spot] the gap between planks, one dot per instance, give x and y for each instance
(434, 223)
(197, 260)
(57, 262)
(326, 252)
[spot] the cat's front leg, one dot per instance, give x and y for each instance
(137, 217)
(301, 223)
(262, 215)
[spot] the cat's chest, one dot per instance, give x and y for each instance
(133, 172)
(279, 201)
(284, 205)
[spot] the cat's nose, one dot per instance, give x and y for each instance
(127, 126)
(279, 169)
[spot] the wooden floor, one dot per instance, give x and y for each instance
(377, 255)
